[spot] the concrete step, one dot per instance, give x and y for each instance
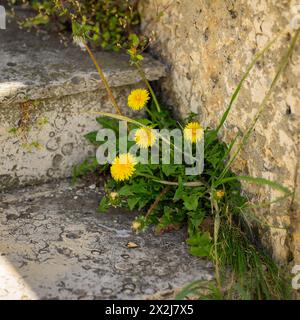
(48, 96)
(54, 245)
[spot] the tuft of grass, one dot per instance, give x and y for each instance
(255, 275)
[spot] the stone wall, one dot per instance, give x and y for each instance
(207, 46)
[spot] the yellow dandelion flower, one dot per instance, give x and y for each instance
(138, 99)
(144, 137)
(220, 193)
(123, 167)
(193, 132)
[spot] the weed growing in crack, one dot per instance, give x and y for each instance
(211, 204)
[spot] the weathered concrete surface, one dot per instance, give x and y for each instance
(52, 140)
(49, 97)
(38, 66)
(207, 46)
(54, 245)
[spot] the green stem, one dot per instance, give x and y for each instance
(214, 206)
(157, 200)
(172, 183)
(103, 78)
(142, 73)
(150, 113)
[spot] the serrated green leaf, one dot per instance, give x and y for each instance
(108, 123)
(126, 191)
(170, 169)
(91, 137)
(200, 244)
(132, 202)
(191, 202)
(179, 191)
(104, 205)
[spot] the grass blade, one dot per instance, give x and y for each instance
(259, 181)
(282, 65)
(240, 84)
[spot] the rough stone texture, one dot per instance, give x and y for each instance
(61, 142)
(207, 45)
(50, 94)
(37, 66)
(54, 245)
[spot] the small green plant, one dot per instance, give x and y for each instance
(87, 166)
(26, 124)
(211, 205)
(108, 23)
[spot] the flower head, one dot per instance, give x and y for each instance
(123, 167)
(220, 193)
(144, 137)
(138, 99)
(193, 132)
(136, 226)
